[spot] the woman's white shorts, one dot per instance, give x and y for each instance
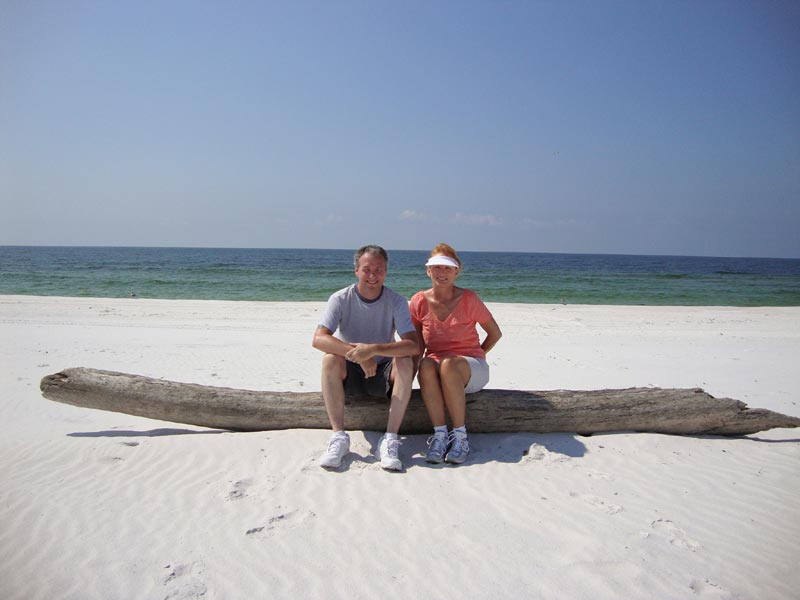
(479, 377)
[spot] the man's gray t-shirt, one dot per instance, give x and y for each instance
(358, 321)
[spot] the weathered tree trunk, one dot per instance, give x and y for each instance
(675, 411)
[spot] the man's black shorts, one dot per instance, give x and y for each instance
(377, 386)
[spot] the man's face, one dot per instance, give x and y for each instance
(371, 273)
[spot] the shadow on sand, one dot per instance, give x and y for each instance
(149, 433)
(484, 448)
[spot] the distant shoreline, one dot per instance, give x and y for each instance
(22, 298)
(296, 275)
(390, 250)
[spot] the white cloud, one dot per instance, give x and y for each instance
(458, 218)
(412, 215)
(331, 220)
(541, 224)
(463, 219)
(537, 223)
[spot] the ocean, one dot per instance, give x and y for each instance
(312, 275)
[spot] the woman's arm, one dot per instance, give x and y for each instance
(421, 340)
(493, 334)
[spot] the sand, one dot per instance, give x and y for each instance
(108, 506)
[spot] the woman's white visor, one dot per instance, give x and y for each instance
(440, 259)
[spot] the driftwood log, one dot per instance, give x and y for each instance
(674, 411)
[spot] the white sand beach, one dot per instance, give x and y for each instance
(100, 505)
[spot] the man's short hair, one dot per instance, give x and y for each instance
(370, 249)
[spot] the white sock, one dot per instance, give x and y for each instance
(391, 436)
(460, 431)
(442, 429)
(340, 433)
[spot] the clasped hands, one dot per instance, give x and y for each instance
(363, 354)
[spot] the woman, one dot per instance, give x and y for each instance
(454, 360)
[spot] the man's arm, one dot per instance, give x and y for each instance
(407, 346)
(324, 341)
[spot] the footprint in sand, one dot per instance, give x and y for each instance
(707, 589)
(597, 475)
(263, 530)
(249, 488)
(184, 581)
(281, 520)
(239, 489)
(676, 536)
(110, 460)
(598, 503)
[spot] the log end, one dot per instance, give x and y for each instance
(54, 380)
(753, 420)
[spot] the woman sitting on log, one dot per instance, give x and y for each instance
(454, 361)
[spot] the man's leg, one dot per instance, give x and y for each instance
(334, 370)
(401, 377)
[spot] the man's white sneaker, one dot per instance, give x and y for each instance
(388, 451)
(338, 447)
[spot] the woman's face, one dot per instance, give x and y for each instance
(442, 274)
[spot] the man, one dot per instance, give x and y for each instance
(356, 333)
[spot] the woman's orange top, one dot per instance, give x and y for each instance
(456, 335)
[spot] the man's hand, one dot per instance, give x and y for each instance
(361, 353)
(370, 367)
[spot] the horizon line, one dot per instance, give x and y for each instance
(161, 247)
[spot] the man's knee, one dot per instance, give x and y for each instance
(333, 364)
(404, 367)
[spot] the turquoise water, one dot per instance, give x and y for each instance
(303, 274)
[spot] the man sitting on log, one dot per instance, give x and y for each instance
(357, 335)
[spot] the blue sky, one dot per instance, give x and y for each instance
(603, 127)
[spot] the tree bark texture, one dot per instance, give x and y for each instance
(656, 410)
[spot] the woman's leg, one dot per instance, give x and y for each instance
(431, 389)
(454, 373)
